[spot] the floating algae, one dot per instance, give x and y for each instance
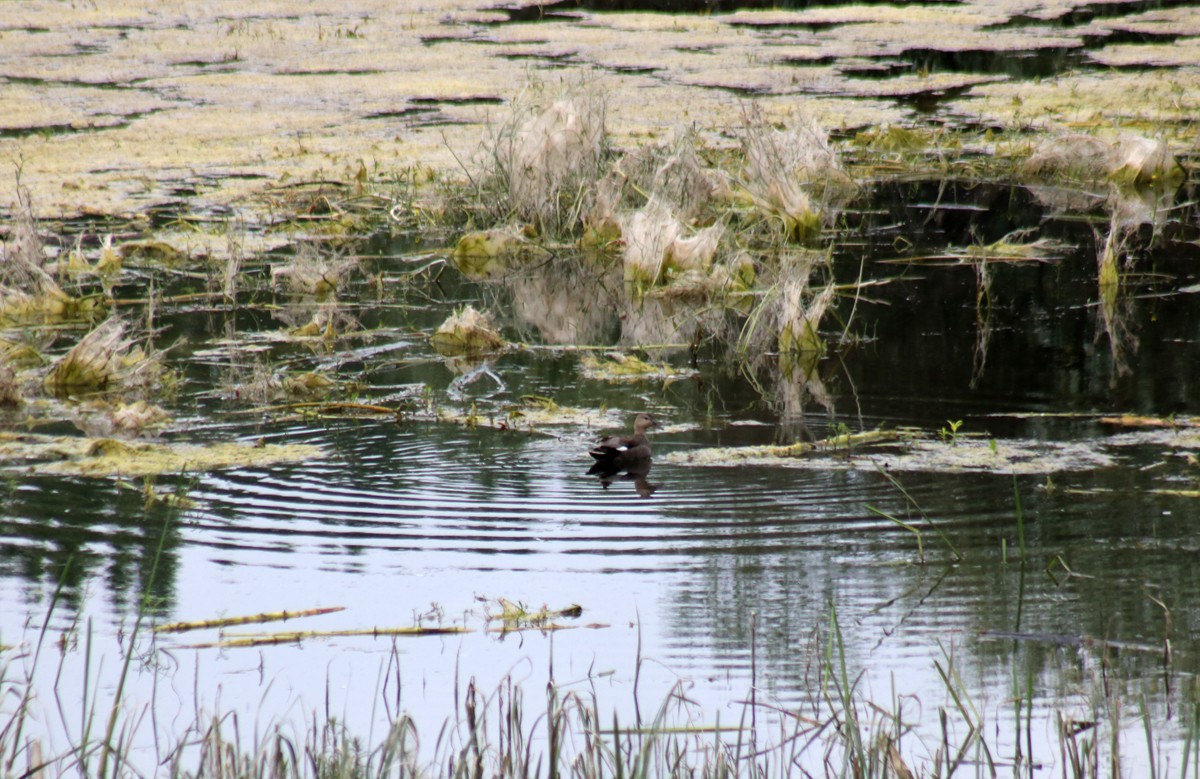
(907, 451)
(535, 411)
(484, 254)
(77, 456)
(532, 413)
(618, 366)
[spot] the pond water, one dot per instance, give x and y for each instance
(727, 580)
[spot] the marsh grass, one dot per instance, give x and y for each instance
(29, 293)
(834, 729)
(107, 357)
(541, 163)
(704, 238)
(314, 269)
(787, 169)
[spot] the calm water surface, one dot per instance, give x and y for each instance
(723, 579)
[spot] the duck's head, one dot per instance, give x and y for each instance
(643, 422)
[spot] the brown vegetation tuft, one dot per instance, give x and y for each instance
(547, 156)
(106, 358)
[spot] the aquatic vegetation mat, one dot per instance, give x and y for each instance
(911, 451)
(619, 366)
(77, 456)
(326, 95)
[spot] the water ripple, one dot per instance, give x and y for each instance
(438, 491)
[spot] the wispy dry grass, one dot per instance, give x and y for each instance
(28, 293)
(10, 390)
(786, 169)
(107, 358)
(542, 163)
(313, 270)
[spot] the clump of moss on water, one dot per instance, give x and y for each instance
(621, 367)
(467, 332)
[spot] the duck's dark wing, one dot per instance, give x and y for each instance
(611, 447)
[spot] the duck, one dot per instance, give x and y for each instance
(624, 452)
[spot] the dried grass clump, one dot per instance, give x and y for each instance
(308, 385)
(23, 256)
(28, 293)
(670, 175)
(326, 319)
(648, 232)
(467, 332)
(789, 314)
(10, 388)
(783, 166)
(658, 248)
(800, 315)
(547, 157)
(602, 222)
(261, 385)
(106, 268)
(313, 271)
(101, 418)
(106, 358)
(674, 173)
(734, 276)
(1089, 161)
(1142, 161)
(132, 419)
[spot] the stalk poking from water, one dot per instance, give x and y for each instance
(912, 501)
(17, 723)
(1020, 520)
(851, 728)
(114, 714)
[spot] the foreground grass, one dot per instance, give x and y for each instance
(565, 730)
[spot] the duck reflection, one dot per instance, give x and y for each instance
(625, 457)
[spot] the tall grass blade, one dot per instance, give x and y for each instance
(912, 502)
(106, 749)
(1020, 519)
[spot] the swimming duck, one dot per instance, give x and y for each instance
(624, 453)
